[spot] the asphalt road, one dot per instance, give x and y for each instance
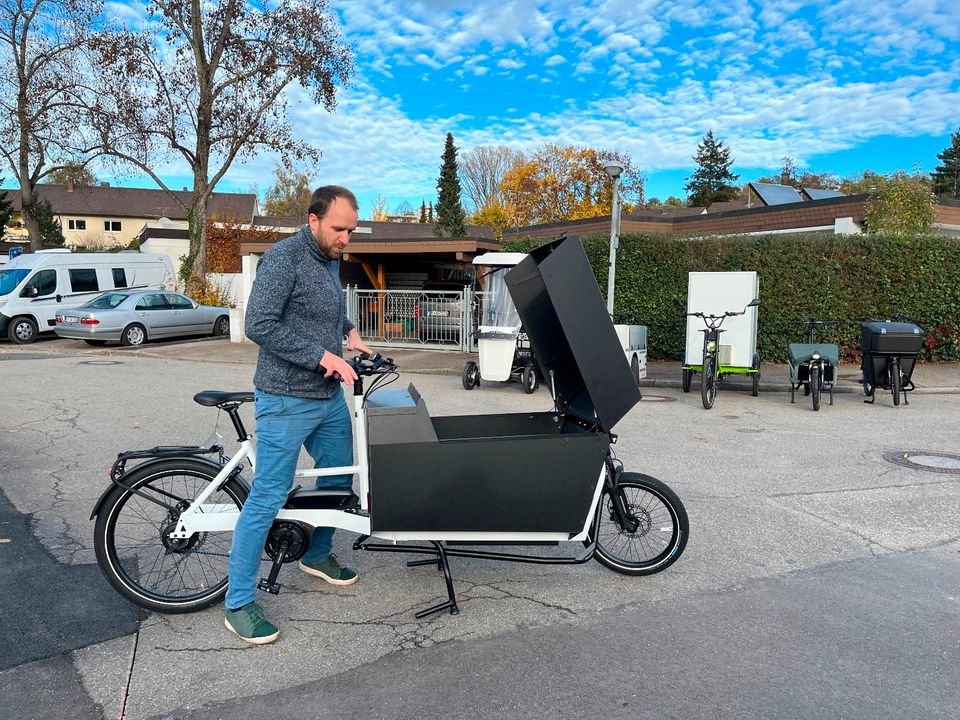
(820, 579)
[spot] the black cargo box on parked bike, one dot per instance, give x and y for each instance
(880, 340)
(513, 473)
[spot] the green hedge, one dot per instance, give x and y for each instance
(840, 277)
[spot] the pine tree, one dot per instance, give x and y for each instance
(51, 234)
(946, 178)
(6, 210)
(711, 181)
(450, 214)
(423, 211)
(430, 213)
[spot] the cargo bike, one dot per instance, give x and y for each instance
(813, 366)
(436, 486)
(504, 348)
(709, 295)
(890, 350)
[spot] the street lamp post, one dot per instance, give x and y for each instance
(614, 170)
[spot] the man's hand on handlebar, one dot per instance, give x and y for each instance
(336, 367)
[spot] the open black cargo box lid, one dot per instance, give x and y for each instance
(566, 319)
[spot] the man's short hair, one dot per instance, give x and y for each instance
(323, 198)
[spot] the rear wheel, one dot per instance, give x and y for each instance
(529, 379)
(708, 382)
(635, 369)
(134, 334)
(867, 386)
(895, 382)
(22, 330)
(222, 325)
(687, 379)
(660, 532)
(816, 385)
(136, 554)
(471, 375)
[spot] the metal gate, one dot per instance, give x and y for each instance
(435, 319)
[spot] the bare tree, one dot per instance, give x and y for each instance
(43, 92)
(482, 171)
(206, 84)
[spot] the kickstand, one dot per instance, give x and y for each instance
(444, 565)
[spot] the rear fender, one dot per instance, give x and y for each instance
(119, 482)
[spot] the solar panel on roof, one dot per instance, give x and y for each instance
(820, 193)
(776, 194)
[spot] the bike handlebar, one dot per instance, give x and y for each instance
(376, 364)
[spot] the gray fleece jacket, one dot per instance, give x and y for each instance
(296, 311)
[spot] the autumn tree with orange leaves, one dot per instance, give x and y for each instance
(559, 183)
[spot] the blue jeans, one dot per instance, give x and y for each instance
(284, 424)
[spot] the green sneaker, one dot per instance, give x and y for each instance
(330, 570)
(249, 624)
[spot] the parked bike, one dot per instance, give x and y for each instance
(712, 370)
(813, 365)
(890, 350)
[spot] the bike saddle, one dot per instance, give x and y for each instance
(210, 398)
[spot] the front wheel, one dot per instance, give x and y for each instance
(529, 379)
(222, 326)
(22, 330)
(895, 382)
(816, 385)
(471, 375)
(635, 369)
(755, 390)
(660, 532)
(133, 547)
(687, 378)
(708, 382)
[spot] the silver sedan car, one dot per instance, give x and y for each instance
(135, 316)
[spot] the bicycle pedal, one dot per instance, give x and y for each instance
(271, 587)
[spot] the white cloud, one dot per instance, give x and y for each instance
(554, 60)
(509, 64)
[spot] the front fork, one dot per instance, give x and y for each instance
(618, 505)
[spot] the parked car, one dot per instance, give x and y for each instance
(35, 287)
(439, 312)
(133, 317)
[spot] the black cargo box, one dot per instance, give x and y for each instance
(891, 337)
(516, 473)
(880, 340)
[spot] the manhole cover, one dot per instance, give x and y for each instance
(100, 362)
(929, 460)
(657, 398)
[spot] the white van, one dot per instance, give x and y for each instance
(34, 288)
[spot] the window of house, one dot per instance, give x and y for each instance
(119, 277)
(44, 281)
(76, 224)
(83, 280)
(111, 225)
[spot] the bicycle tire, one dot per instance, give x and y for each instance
(687, 378)
(708, 382)
(816, 385)
(895, 382)
(659, 512)
(132, 550)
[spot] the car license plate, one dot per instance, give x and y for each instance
(437, 313)
(71, 319)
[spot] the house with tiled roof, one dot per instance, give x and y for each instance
(103, 216)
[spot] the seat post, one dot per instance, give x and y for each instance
(232, 409)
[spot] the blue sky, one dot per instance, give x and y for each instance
(839, 85)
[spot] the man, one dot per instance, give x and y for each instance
(296, 314)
